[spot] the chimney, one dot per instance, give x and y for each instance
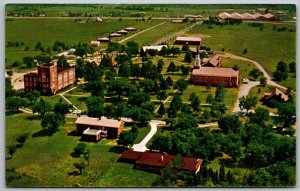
(162, 158)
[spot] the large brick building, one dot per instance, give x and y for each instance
(214, 75)
(49, 78)
(91, 128)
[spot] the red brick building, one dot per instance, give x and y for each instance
(92, 128)
(154, 161)
(50, 78)
(213, 75)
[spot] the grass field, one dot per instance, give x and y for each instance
(268, 46)
(46, 161)
(47, 31)
(154, 35)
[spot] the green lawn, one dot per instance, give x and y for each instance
(47, 31)
(268, 46)
(45, 161)
(142, 132)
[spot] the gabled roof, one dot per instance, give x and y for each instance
(219, 72)
(269, 15)
(122, 31)
(247, 16)
(224, 15)
(215, 60)
(188, 38)
(276, 92)
(236, 16)
(115, 34)
(155, 159)
(256, 15)
(130, 154)
(192, 164)
(102, 122)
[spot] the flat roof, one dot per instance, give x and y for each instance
(158, 47)
(188, 38)
(212, 71)
(102, 122)
(89, 131)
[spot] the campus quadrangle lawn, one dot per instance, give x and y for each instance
(45, 161)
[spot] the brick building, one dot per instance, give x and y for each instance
(214, 75)
(49, 79)
(91, 128)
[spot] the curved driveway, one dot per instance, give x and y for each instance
(142, 145)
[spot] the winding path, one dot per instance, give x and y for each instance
(142, 145)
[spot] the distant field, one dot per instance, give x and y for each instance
(267, 46)
(47, 31)
(46, 161)
(155, 10)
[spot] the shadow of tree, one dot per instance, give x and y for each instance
(7, 113)
(232, 164)
(73, 133)
(74, 173)
(117, 149)
(33, 117)
(42, 133)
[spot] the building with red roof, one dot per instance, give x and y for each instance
(154, 161)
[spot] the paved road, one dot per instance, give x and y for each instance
(125, 39)
(62, 95)
(258, 65)
(17, 81)
(244, 91)
(142, 145)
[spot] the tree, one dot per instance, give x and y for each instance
(38, 45)
(106, 61)
(220, 93)
(11, 150)
(135, 70)
(248, 102)
(80, 166)
(33, 96)
(96, 88)
(80, 149)
(280, 76)
(255, 73)
(161, 111)
(152, 52)
(162, 142)
(185, 47)
(124, 70)
(209, 99)
(92, 72)
(14, 103)
(148, 106)
(286, 114)
(220, 107)
(188, 57)
(28, 61)
(161, 95)
(245, 51)
(185, 69)
(230, 123)
(263, 81)
(172, 67)
(195, 101)
(121, 86)
(61, 108)
(169, 81)
(62, 62)
(140, 115)
(126, 139)
(281, 66)
(50, 122)
(136, 99)
(22, 138)
(86, 156)
(132, 47)
(148, 85)
(80, 68)
(292, 67)
(186, 121)
(208, 87)
(260, 116)
(176, 102)
(181, 85)
(206, 115)
(160, 65)
(94, 106)
(42, 107)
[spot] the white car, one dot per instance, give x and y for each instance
(76, 112)
(246, 81)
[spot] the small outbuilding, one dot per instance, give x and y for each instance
(103, 39)
(115, 35)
